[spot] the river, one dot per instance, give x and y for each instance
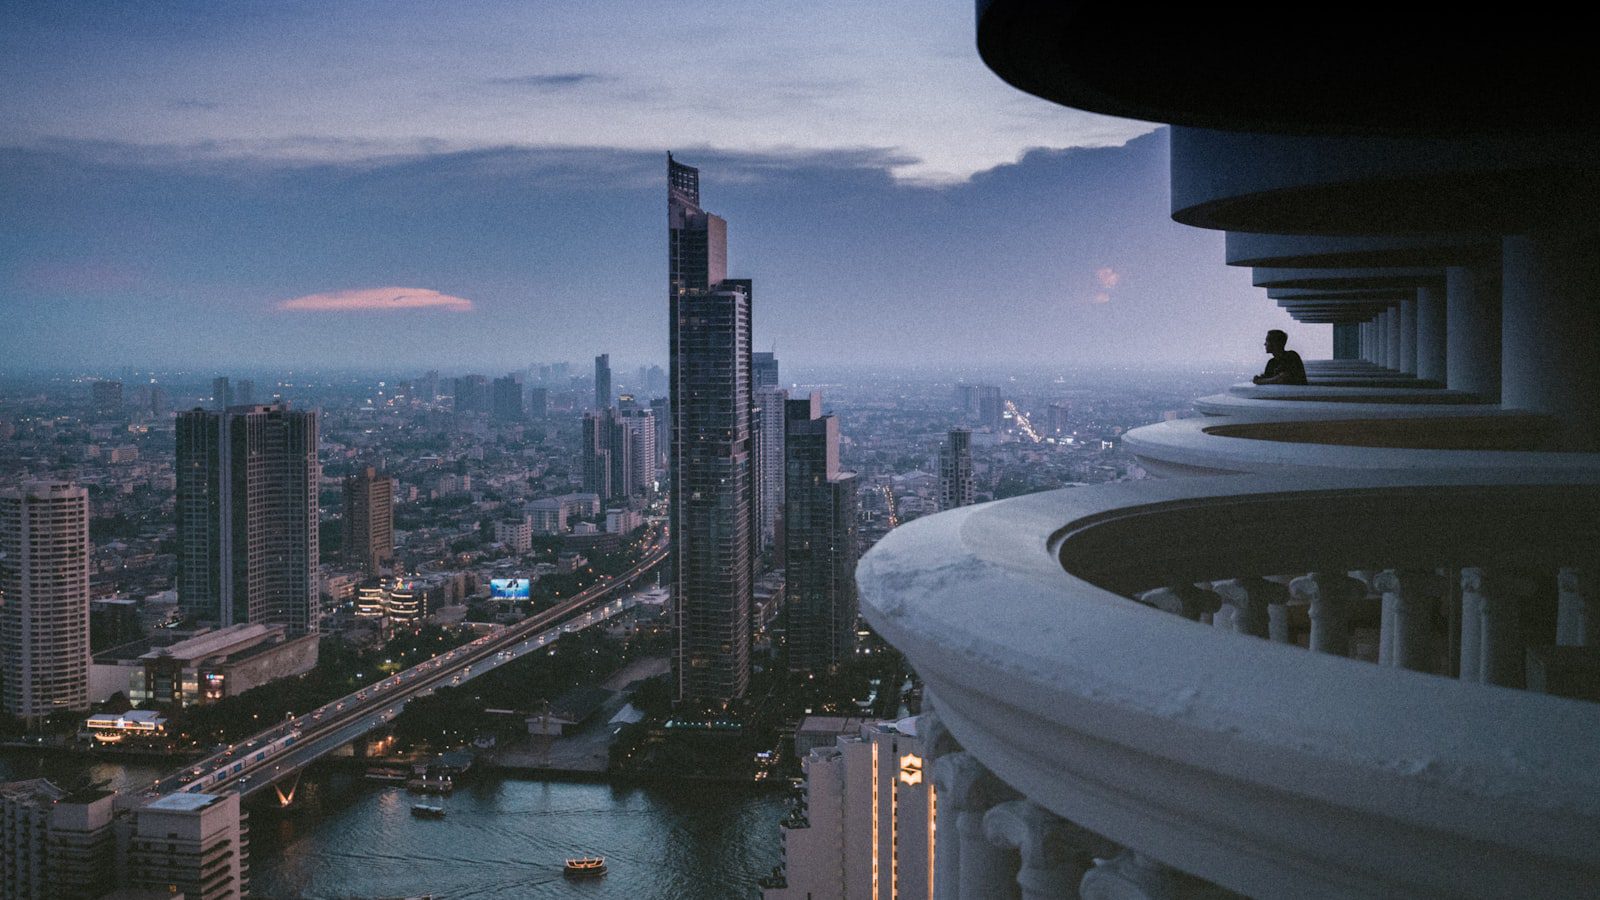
(501, 837)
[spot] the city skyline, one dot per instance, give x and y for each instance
(173, 228)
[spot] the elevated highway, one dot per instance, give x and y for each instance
(282, 751)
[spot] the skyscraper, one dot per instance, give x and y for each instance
(820, 541)
(44, 598)
(763, 370)
(247, 516)
(506, 399)
(594, 454)
(471, 394)
(602, 381)
(244, 393)
(770, 401)
(641, 432)
(106, 397)
(221, 394)
(955, 470)
(712, 466)
(369, 521)
(538, 402)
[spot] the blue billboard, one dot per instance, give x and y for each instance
(509, 588)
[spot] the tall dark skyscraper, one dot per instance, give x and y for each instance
(602, 381)
(221, 393)
(538, 402)
(471, 394)
(712, 466)
(247, 516)
(506, 399)
(369, 521)
(956, 486)
(820, 541)
(106, 397)
(764, 369)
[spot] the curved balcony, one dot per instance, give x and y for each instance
(1492, 440)
(1206, 743)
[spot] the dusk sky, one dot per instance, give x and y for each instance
(481, 185)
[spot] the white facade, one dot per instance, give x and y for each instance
(865, 830)
(44, 585)
(517, 536)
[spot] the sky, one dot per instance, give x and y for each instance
(481, 185)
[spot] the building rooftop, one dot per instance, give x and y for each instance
(214, 643)
(183, 802)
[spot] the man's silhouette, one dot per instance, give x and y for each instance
(1285, 366)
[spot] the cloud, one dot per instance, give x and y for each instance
(1107, 277)
(556, 81)
(383, 298)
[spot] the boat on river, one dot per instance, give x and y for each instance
(585, 867)
(427, 811)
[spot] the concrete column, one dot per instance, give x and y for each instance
(1471, 631)
(1578, 606)
(1252, 599)
(1330, 595)
(1184, 600)
(1472, 347)
(1550, 337)
(1432, 333)
(1393, 334)
(1501, 651)
(1366, 341)
(1346, 340)
(981, 870)
(938, 743)
(1408, 599)
(1129, 876)
(1051, 866)
(1408, 336)
(1381, 325)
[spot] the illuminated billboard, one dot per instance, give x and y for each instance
(509, 588)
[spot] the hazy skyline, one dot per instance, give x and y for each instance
(480, 186)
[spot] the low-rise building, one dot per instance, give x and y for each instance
(207, 666)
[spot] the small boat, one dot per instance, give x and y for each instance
(585, 867)
(427, 811)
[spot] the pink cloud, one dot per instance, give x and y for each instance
(1100, 297)
(383, 298)
(1107, 277)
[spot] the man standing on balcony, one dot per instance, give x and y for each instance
(1285, 366)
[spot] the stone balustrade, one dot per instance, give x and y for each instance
(1269, 686)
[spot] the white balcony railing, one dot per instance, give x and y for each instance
(1216, 752)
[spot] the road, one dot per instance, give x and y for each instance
(278, 751)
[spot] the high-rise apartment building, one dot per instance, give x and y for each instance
(44, 598)
(640, 428)
(193, 844)
(221, 393)
(819, 542)
(538, 402)
(866, 829)
(602, 381)
(471, 394)
(244, 392)
(594, 453)
(712, 468)
(1055, 420)
(991, 407)
(369, 521)
(106, 397)
(956, 486)
(763, 370)
(247, 516)
(506, 399)
(55, 844)
(770, 402)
